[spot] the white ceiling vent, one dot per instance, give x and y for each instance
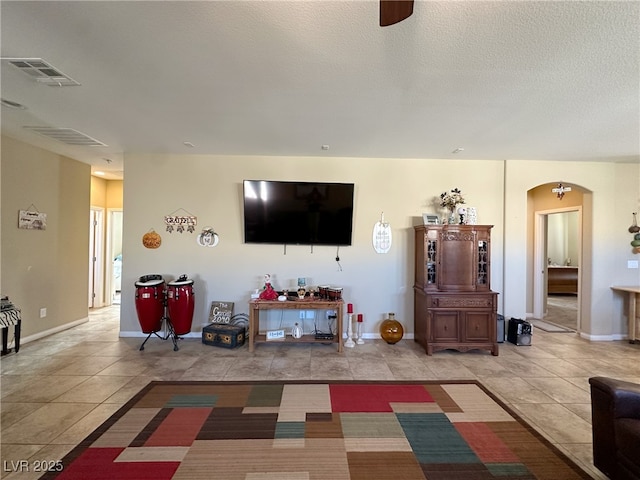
(68, 136)
(42, 72)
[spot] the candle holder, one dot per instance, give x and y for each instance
(360, 340)
(349, 342)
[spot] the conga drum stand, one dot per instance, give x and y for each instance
(168, 330)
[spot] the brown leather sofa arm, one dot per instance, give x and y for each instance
(612, 400)
(624, 396)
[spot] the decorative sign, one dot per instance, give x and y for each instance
(180, 222)
(32, 220)
(275, 334)
(221, 312)
(382, 237)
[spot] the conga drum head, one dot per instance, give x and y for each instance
(149, 283)
(180, 283)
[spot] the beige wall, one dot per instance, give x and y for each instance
(49, 268)
(98, 192)
(210, 187)
(613, 193)
(114, 194)
(106, 193)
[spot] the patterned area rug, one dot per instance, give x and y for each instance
(306, 431)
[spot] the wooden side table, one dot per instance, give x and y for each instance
(255, 306)
(633, 298)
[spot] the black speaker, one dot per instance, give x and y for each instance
(519, 332)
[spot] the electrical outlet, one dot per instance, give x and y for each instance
(43, 312)
(632, 263)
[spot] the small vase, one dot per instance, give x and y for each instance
(391, 330)
(452, 220)
(296, 331)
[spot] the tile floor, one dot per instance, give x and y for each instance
(58, 389)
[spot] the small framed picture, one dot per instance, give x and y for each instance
(430, 219)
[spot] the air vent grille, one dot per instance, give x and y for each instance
(12, 104)
(42, 71)
(68, 136)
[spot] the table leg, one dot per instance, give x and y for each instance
(252, 327)
(18, 329)
(5, 334)
(339, 327)
(632, 317)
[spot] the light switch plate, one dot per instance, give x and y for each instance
(632, 263)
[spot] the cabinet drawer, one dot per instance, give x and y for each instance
(462, 301)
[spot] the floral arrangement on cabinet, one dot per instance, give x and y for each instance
(450, 200)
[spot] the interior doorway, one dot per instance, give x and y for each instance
(96, 257)
(114, 249)
(558, 266)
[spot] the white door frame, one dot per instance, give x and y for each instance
(96, 257)
(110, 242)
(540, 260)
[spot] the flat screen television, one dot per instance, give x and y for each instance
(298, 213)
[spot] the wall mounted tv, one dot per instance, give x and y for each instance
(298, 213)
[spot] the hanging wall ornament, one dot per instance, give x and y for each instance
(179, 220)
(151, 239)
(207, 238)
(382, 236)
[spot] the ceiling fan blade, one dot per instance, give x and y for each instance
(394, 11)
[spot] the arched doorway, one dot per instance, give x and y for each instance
(556, 257)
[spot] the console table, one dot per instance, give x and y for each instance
(255, 306)
(8, 317)
(633, 299)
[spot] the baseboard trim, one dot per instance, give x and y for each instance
(51, 331)
(137, 334)
(604, 338)
(134, 334)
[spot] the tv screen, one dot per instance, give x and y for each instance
(298, 213)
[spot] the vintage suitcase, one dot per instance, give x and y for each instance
(223, 335)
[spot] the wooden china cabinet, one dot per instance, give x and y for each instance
(454, 306)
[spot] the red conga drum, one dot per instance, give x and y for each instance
(150, 302)
(180, 303)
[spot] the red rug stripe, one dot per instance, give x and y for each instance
(98, 464)
(374, 398)
(485, 443)
(180, 428)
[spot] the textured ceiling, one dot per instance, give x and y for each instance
(503, 80)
